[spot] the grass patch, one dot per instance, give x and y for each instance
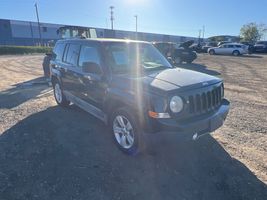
(13, 50)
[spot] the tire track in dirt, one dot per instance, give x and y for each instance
(252, 71)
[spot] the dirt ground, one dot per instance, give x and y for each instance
(48, 152)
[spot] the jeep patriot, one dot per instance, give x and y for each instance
(134, 90)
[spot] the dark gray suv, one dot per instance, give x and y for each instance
(133, 89)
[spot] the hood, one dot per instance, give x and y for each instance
(184, 79)
(169, 80)
(187, 44)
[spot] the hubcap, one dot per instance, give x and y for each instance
(123, 132)
(58, 93)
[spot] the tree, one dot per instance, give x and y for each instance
(252, 32)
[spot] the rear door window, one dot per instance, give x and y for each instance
(89, 54)
(58, 51)
(72, 54)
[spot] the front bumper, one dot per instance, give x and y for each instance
(200, 125)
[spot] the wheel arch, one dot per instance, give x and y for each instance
(236, 50)
(113, 104)
(55, 79)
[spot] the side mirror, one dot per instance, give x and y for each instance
(91, 67)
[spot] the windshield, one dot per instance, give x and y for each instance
(134, 57)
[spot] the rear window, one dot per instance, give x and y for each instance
(58, 51)
(238, 46)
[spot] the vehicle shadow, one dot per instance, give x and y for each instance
(251, 56)
(67, 154)
(240, 56)
(23, 92)
(198, 68)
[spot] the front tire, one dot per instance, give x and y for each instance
(236, 53)
(126, 131)
(59, 95)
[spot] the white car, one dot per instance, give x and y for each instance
(235, 49)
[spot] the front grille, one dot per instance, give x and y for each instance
(205, 101)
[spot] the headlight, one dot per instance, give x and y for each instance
(176, 104)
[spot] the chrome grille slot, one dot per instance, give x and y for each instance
(205, 101)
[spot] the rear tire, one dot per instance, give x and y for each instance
(189, 61)
(211, 52)
(59, 95)
(127, 132)
(236, 53)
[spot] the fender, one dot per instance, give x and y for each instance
(56, 74)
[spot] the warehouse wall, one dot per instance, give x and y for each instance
(14, 32)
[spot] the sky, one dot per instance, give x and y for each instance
(174, 17)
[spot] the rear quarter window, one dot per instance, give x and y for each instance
(58, 51)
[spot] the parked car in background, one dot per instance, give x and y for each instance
(184, 53)
(235, 49)
(208, 45)
(177, 53)
(250, 46)
(223, 42)
(260, 47)
(197, 47)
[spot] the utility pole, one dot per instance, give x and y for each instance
(135, 23)
(199, 35)
(39, 27)
(111, 16)
(203, 32)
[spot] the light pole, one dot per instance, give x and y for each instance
(111, 16)
(39, 27)
(199, 36)
(135, 23)
(203, 33)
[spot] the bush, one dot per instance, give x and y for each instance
(9, 50)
